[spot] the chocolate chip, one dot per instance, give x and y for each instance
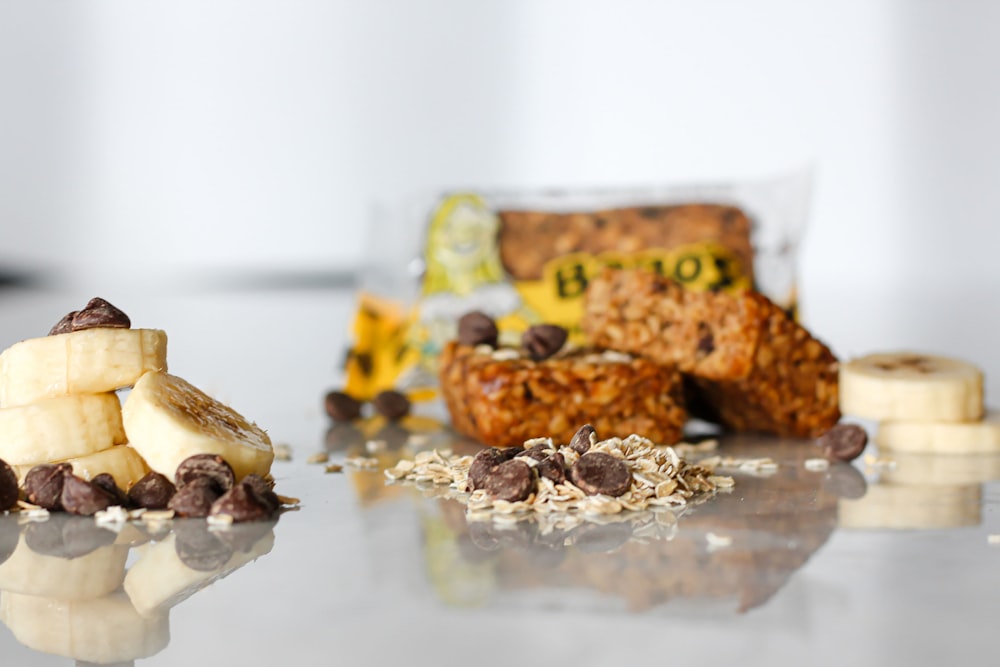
(210, 466)
(65, 325)
(511, 481)
(342, 407)
(198, 547)
(195, 498)
(485, 461)
(541, 341)
(43, 485)
(477, 328)
(9, 490)
(107, 482)
(706, 340)
(82, 497)
(242, 503)
(153, 492)
(843, 442)
(583, 439)
(597, 472)
(98, 313)
(538, 452)
(391, 404)
(553, 467)
(263, 491)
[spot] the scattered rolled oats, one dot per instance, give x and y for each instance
(362, 462)
(718, 541)
(321, 457)
(993, 539)
(219, 521)
(816, 465)
(34, 514)
(334, 467)
(282, 452)
(114, 517)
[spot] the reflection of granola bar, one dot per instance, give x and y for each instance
(754, 367)
(529, 239)
(501, 398)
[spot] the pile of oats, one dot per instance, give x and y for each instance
(661, 478)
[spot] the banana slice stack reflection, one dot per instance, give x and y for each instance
(937, 443)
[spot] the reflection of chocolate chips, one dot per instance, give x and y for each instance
(342, 407)
(8, 487)
(477, 328)
(843, 442)
(243, 536)
(511, 481)
(153, 492)
(597, 538)
(82, 497)
(44, 483)
(582, 439)
(554, 468)
(198, 547)
(210, 466)
(108, 483)
(65, 536)
(242, 503)
(541, 341)
(485, 461)
(845, 481)
(9, 532)
(342, 436)
(597, 472)
(195, 498)
(393, 435)
(391, 404)
(98, 313)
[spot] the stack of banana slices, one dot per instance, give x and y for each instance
(58, 404)
(939, 442)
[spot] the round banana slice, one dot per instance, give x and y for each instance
(85, 577)
(60, 428)
(918, 468)
(982, 437)
(121, 462)
(167, 420)
(92, 361)
(912, 507)
(907, 386)
(104, 630)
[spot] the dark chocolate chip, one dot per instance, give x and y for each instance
(538, 452)
(391, 404)
(82, 497)
(485, 461)
(342, 407)
(597, 472)
(9, 490)
(107, 482)
(65, 325)
(843, 442)
(153, 492)
(242, 503)
(511, 481)
(477, 328)
(553, 467)
(263, 490)
(198, 547)
(44, 483)
(195, 498)
(98, 313)
(211, 466)
(541, 341)
(706, 341)
(583, 438)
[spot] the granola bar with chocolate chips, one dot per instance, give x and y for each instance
(750, 367)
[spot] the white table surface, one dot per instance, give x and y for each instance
(392, 578)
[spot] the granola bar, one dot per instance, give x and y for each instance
(749, 366)
(502, 397)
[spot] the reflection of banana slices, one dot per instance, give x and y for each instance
(912, 507)
(936, 470)
(92, 361)
(60, 428)
(981, 437)
(167, 420)
(104, 630)
(911, 387)
(160, 580)
(90, 576)
(121, 462)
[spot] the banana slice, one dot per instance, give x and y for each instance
(920, 469)
(911, 387)
(92, 361)
(104, 630)
(167, 420)
(60, 428)
(912, 507)
(160, 580)
(121, 462)
(981, 437)
(83, 578)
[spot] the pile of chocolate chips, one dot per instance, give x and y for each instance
(503, 476)
(539, 341)
(204, 485)
(342, 407)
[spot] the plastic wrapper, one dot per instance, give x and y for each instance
(525, 257)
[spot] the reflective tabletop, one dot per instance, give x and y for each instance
(887, 560)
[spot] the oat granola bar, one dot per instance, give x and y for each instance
(501, 397)
(749, 366)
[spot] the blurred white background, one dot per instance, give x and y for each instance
(165, 142)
